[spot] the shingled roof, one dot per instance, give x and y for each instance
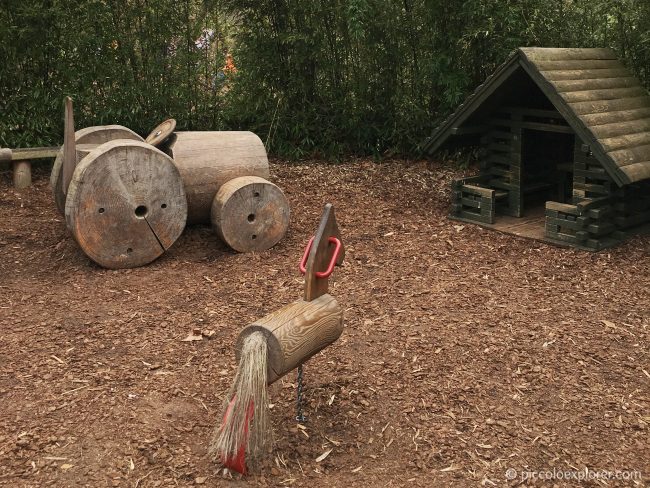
(599, 98)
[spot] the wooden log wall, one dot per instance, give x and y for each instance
(501, 166)
(473, 202)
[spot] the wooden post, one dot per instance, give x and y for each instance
(320, 253)
(22, 174)
(69, 152)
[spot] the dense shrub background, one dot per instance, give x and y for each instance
(316, 77)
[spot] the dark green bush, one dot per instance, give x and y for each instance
(316, 77)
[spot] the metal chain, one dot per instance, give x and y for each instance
(299, 415)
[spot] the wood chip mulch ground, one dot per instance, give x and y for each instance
(466, 352)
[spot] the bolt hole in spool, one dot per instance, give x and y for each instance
(129, 250)
(254, 236)
(256, 194)
(164, 205)
(251, 217)
(102, 210)
(141, 211)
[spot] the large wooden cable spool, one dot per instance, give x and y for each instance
(296, 332)
(125, 204)
(250, 213)
(89, 135)
(207, 160)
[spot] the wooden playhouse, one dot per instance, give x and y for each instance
(564, 139)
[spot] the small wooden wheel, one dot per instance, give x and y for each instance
(126, 204)
(161, 133)
(250, 213)
(89, 135)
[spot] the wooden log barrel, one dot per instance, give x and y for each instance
(89, 135)
(207, 160)
(126, 203)
(296, 332)
(250, 213)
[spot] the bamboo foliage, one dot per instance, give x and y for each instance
(315, 77)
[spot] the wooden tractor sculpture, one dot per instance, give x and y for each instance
(275, 345)
(126, 200)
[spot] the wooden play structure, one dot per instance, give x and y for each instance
(564, 139)
(275, 345)
(126, 199)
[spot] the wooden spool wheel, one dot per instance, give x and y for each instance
(161, 133)
(250, 213)
(125, 204)
(89, 135)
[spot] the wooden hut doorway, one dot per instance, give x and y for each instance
(546, 169)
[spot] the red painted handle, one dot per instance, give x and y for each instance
(330, 268)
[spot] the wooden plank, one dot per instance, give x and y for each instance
(584, 108)
(565, 224)
(623, 142)
(595, 84)
(607, 131)
(477, 217)
(593, 175)
(470, 203)
(28, 153)
(484, 192)
(533, 125)
(631, 155)
(616, 116)
(601, 229)
(564, 129)
(637, 171)
(585, 74)
(573, 64)
(320, 254)
(561, 236)
(563, 207)
(537, 54)
(530, 112)
(603, 189)
(600, 213)
(474, 129)
(605, 94)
